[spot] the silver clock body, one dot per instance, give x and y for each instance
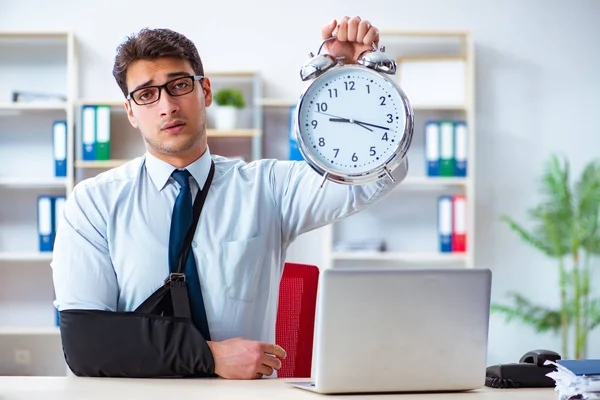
(353, 124)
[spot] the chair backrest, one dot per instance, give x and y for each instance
(296, 318)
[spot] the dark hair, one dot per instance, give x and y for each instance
(151, 44)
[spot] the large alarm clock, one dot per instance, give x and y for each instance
(353, 123)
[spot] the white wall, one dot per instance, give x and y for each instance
(538, 92)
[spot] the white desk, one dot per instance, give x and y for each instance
(73, 388)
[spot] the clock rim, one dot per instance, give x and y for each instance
(375, 173)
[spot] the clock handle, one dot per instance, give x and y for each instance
(325, 176)
(389, 174)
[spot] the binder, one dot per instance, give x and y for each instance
(445, 223)
(295, 153)
(59, 206)
(446, 148)
(432, 148)
(459, 224)
(45, 223)
(59, 140)
(88, 132)
(461, 148)
(102, 133)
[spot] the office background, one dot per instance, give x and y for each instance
(537, 92)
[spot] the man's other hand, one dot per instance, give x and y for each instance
(240, 358)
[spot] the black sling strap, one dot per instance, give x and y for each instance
(172, 298)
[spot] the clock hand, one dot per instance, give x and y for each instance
(350, 121)
(373, 125)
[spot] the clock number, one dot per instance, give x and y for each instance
(390, 118)
(349, 85)
(373, 152)
(369, 89)
(384, 137)
(336, 152)
(314, 123)
(321, 141)
(354, 157)
(332, 93)
(322, 107)
(382, 98)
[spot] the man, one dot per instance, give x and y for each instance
(114, 247)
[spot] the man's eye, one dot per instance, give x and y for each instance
(145, 95)
(181, 85)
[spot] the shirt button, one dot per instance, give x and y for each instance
(194, 244)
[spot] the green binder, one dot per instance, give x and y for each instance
(102, 133)
(447, 157)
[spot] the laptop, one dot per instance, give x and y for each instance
(400, 330)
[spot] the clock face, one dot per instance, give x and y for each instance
(351, 120)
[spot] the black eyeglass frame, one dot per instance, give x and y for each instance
(164, 86)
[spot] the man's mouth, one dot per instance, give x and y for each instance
(174, 127)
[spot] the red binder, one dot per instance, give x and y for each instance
(459, 223)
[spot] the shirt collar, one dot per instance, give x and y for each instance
(160, 171)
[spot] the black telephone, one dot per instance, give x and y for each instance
(530, 371)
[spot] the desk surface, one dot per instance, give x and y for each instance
(67, 388)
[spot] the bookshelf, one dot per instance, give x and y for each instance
(42, 67)
(407, 219)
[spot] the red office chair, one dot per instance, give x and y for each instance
(296, 318)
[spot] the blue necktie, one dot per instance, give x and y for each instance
(180, 223)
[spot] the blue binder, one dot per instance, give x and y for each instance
(461, 147)
(88, 132)
(432, 148)
(59, 140)
(45, 223)
(581, 367)
(295, 153)
(445, 223)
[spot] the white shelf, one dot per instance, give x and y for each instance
(424, 181)
(439, 107)
(34, 34)
(29, 330)
(34, 106)
(400, 256)
(34, 183)
(274, 102)
(25, 256)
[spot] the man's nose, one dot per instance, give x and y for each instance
(168, 105)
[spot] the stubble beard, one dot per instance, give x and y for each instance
(176, 147)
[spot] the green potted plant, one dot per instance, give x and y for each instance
(565, 227)
(229, 101)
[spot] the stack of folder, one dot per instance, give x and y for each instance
(576, 379)
(95, 132)
(49, 213)
(452, 223)
(446, 148)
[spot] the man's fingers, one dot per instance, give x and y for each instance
(353, 28)
(372, 36)
(363, 28)
(342, 29)
(328, 29)
(271, 361)
(274, 349)
(265, 370)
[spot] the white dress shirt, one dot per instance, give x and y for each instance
(111, 248)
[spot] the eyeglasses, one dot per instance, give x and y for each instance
(151, 94)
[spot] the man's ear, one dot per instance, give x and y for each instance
(130, 115)
(207, 92)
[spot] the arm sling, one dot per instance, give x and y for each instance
(156, 340)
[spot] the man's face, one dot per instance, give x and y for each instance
(172, 126)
